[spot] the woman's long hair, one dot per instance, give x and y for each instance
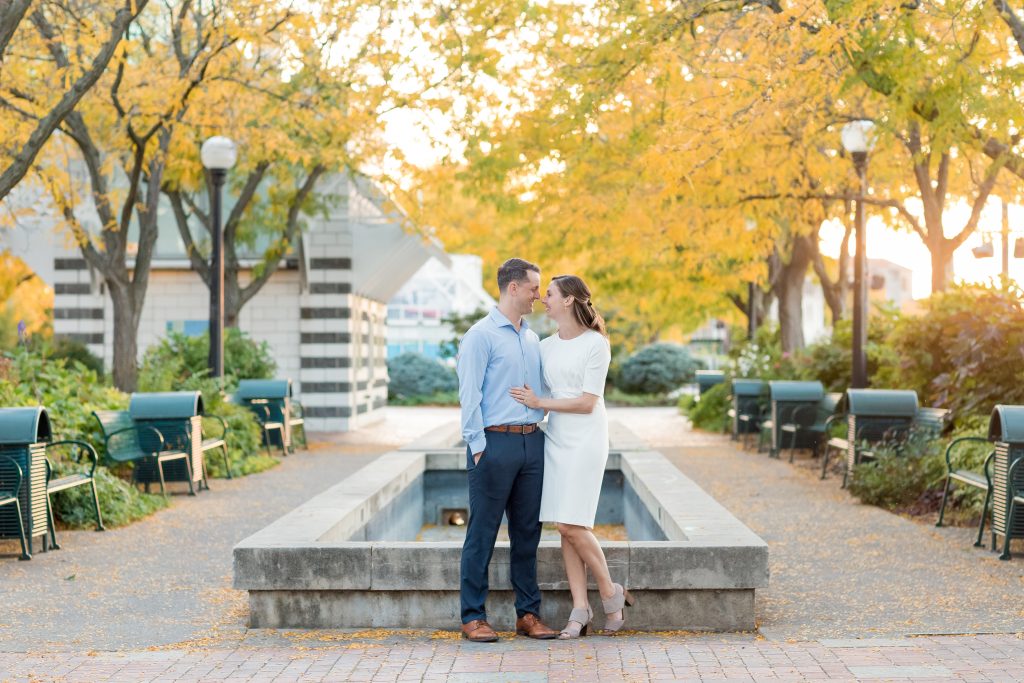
(582, 306)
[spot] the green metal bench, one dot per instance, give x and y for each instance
(979, 480)
(126, 441)
(748, 409)
(72, 480)
(810, 422)
(10, 489)
(872, 416)
(787, 397)
(707, 379)
(1006, 429)
(279, 414)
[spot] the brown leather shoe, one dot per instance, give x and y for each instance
(479, 631)
(532, 627)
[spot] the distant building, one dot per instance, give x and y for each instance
(888, 281)
(323, 313)
(438, 289)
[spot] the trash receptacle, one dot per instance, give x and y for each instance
(746, 400)
(1006, 429)
(707, 379)
(790, 397)
(178, 415)
(23, 436)
(276, 396)
(873, 412)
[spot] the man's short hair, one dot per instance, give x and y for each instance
(514, 270)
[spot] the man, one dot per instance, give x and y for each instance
(504, 452)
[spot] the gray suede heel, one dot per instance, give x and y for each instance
(579, 621)
(611, 605)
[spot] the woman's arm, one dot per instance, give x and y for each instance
(583, 404)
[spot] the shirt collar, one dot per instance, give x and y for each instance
(500, 320)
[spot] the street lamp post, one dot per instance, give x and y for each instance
(218, 155)
(858, 141)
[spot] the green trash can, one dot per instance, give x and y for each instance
(793, 401)
(276, 396)
(23, 436)
(707, 379)
(873, 412)
(1006, 429)
(178, 415)
(747, 398)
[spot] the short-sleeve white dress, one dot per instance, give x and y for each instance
(576, 445)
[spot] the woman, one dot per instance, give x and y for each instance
(575, 364)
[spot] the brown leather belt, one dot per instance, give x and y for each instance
(513, 429)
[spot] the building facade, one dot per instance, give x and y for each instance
(323, 313)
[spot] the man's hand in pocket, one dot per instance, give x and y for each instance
(477, 456)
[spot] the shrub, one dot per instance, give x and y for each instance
(73, 350)
(711, 411)
(415, 375)
(966, 352)
(657, 369)
(686, 403)
(178, 357)
(120, 502)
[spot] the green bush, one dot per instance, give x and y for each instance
(686, 403)
(441, 398)
(120, 502)
(178, 357)
(657, 369)
(965, 352)
(616, 397)
(73, 350)
(414, 375)
(711, 412)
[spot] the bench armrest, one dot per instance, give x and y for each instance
(794, 415)
(137, 429)
(297, 410)
(13, 465)
(960, 440)
(223, 425)
(833, 419)
(83, 447)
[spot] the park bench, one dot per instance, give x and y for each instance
(979, 480)
(178, 415)
(126, 441)
(747, 410)
(279, 414)
(213, 443)
(810, 422)
(707, 379)
(10, 489)
(1006, 430)
(72, 480)
(872, 416)
(786, 398)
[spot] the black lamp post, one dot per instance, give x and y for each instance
(218, 154)
(858, 141)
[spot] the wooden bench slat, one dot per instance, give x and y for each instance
(970, 477)
(70, 481)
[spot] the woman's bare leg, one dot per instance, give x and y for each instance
(588, 549)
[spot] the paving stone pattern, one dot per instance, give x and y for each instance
(850, 586)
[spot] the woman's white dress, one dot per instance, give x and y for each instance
(576, 445)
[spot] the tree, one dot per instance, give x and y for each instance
(324, 122)
(48, 68)
(125, 135)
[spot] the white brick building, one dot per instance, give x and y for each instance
(323, 313)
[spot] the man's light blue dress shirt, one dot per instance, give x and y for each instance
(492, 359)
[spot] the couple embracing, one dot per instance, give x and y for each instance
(508, 380)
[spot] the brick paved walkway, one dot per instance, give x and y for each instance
(153, 602)
(632, 658)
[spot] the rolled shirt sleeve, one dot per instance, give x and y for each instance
(596, 371)
(470, 366)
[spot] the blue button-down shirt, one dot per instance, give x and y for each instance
(493, 358)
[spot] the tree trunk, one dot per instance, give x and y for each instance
(941, 271)
(126, 331)
(232, 300)
(789, 289)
